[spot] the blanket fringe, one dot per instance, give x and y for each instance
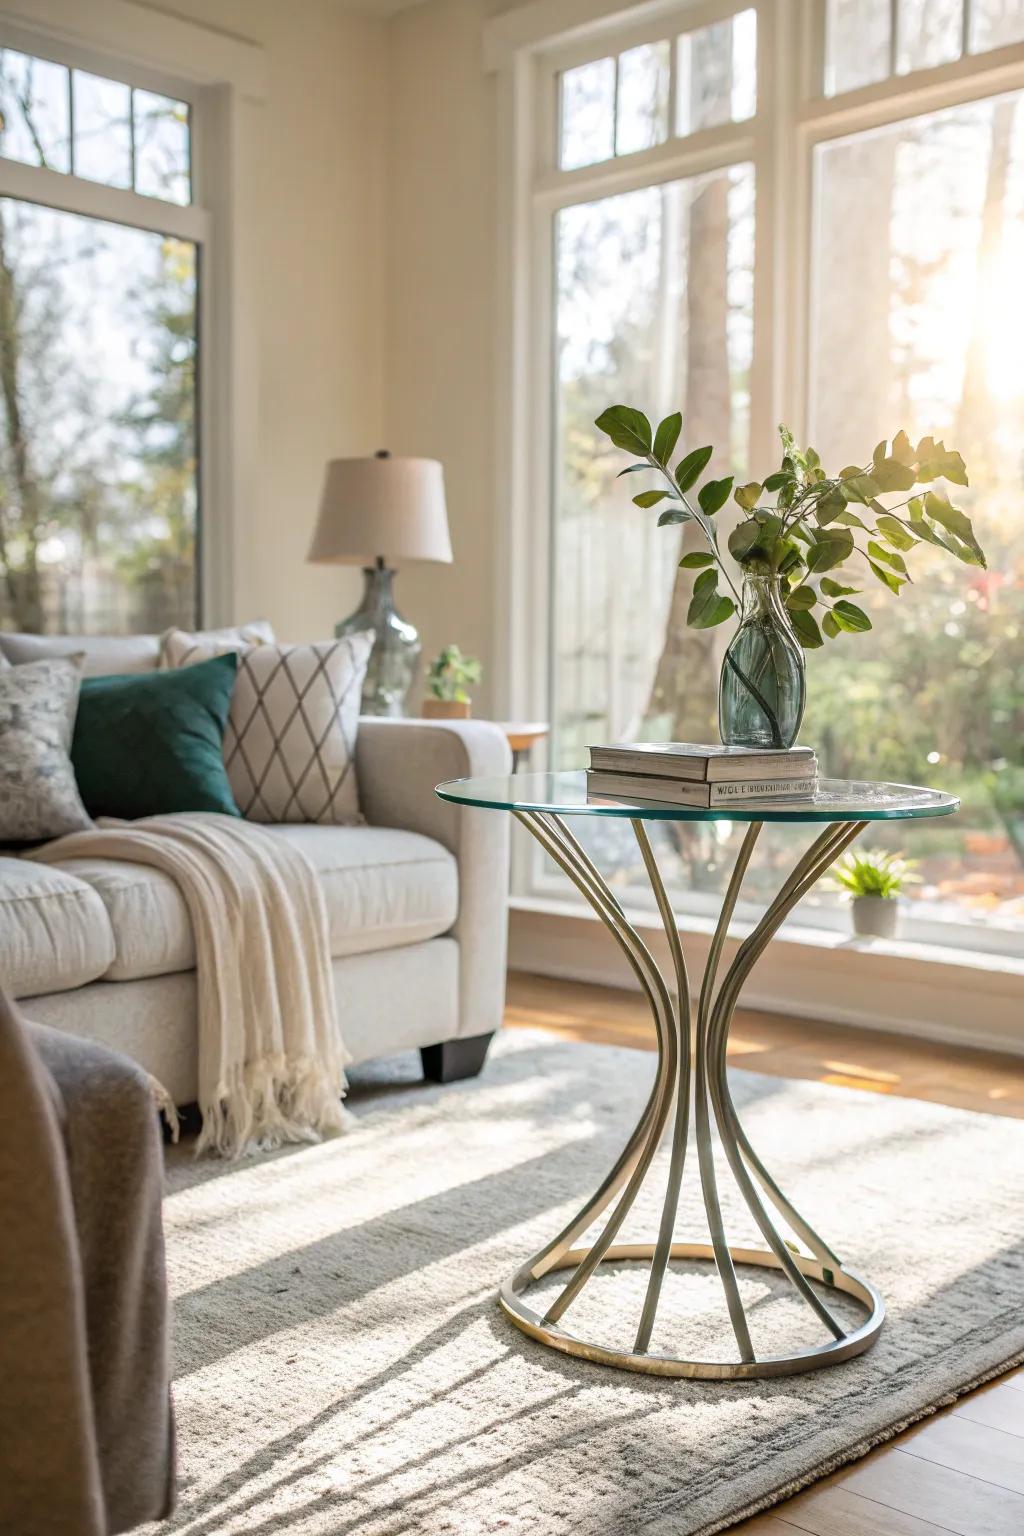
(271, 1103)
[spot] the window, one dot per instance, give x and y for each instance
(885, 292)
(624, 103)
(99, 345)
(82, 124)
(870, 40)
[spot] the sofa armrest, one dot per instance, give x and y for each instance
(398, 763)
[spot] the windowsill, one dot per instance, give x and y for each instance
(936, 992)
(801, 935)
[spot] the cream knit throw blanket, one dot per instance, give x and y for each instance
(271, 1059)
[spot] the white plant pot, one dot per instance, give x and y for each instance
(875, 916)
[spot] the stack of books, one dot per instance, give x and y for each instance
(689, 773)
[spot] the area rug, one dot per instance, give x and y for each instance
(342, 1365)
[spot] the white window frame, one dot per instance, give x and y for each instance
(216, 76)
(527, 49)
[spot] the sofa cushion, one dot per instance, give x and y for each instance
(152, 934)
(382, 887)
(54, 929)
(103, 653)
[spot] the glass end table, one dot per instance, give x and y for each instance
(692, 1079)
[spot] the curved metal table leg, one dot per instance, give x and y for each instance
(696, 1070)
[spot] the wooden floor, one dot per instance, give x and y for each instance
(962, 1470)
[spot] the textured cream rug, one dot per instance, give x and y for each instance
(342, 1366)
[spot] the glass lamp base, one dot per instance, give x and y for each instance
(396, 649)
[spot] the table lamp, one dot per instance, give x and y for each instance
(384, 510)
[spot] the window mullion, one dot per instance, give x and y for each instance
(71, 122)
(894, 35)
(131, 134)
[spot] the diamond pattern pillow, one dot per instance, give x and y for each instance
(289, 747)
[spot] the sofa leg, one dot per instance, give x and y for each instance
(453, 1060)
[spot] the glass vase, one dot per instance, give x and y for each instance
(762, 690)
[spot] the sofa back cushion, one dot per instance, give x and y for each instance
(102, 653)
(105, 655)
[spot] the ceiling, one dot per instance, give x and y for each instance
(379, 8)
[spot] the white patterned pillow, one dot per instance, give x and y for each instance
(39, 797)
(289, 747)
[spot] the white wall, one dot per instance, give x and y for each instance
(441, 304)
(312, 186)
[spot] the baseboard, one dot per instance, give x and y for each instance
(953, 997)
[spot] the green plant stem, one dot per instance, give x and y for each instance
(703, 523)
(758, 696)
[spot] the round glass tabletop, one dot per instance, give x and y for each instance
(565, 794)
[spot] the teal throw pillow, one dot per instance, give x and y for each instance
(149, 743)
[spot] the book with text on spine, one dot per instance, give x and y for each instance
(645, 786)
(700, 763)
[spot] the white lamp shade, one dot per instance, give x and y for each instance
(380, 506)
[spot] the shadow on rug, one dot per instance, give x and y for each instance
(342, 1365)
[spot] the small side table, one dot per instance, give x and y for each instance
(521, 737)
(544, 803)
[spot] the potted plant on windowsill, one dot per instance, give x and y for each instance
(801, 528)
(873, 881)
(451, 674)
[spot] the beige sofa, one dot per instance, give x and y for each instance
(416, 900)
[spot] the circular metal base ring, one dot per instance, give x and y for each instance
(810, 1359)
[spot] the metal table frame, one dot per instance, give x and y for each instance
(690, 1070)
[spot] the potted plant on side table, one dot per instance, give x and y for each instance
(873, 881)
(450, 677)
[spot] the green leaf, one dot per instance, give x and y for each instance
(851, 520)
(936, 461)
(746, 495)
(892, 475)
(667, 436)
(830, 507)
(745, 538)
(954, 521)
(830, 627)
(697, 560)
(690, 469)
(790, 560)
(887, 557)
(805, 627)
(895, 534)
(830, 549)
(887, 578)
(801, 598)
(649, 498)
(634, 469)
(673, 515)
(627, 428)
(707, 605)
(776, 481)
(850, 618)
(858, 488)
(833, 589)
(902, 450)
(714, 495)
